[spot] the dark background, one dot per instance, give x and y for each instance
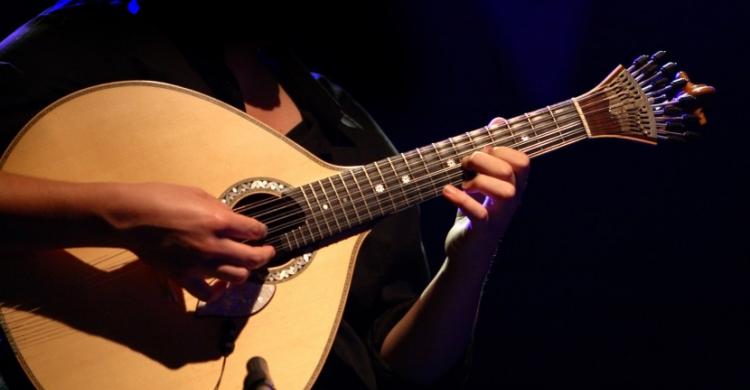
(627, 265)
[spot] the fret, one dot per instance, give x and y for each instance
(332, 209)
(341, 204)
(401, 179)
(322, 207)
(361, 194)
(349, 195)
(460, 147)
(531, 123)
(312, 214)
(512, 134)
(388, 187)
(376, 190)
(489, 131)
(294, 236)
(288, 241)
(413, 178)
(456, 151)
(427, 175)
(554, 120)
(471, 140)
(448, 165)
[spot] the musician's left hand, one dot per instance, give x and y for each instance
(486, 206)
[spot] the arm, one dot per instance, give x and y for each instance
(180, 230)
(435, 332)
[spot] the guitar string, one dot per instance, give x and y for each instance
(527, 117)
(456, 175)
(401, 165)
(537, 145)
(520, 131)
(543, 112)
(327, 193)
(363, 169)
(412, 187)
(535, 128)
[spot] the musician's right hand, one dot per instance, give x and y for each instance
(188, 234)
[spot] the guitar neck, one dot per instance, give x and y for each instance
(357, 197)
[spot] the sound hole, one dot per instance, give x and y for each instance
(280, 214)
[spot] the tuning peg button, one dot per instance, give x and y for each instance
(640, 61)
(659, 84)
(659, 56)
(668, 69)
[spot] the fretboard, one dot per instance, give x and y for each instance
(361, 195)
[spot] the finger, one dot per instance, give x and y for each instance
(518, 160)
(487, 164)
(468, 205)
(223, 272)
(243, 227)
(200, 289)
(240, 254)
(491, 186)
(497, 121)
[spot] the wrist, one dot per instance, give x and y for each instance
(469, 268)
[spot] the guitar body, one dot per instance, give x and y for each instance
(99, 318)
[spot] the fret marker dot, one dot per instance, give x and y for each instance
(451, 163)
(325, 207)
(405, 179)
(525, 138)
(379, 188)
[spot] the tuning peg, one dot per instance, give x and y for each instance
(659, 84)
(638, 62)
(659, 56)
(648, 69)
(668, 69)
(678, 84)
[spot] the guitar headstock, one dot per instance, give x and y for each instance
(649, 101)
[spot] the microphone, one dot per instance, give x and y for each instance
(258, 377)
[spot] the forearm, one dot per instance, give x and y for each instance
(435, 333)
(39, 213)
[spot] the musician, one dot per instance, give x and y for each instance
(395, 310)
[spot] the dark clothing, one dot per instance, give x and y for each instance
(77, 46)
